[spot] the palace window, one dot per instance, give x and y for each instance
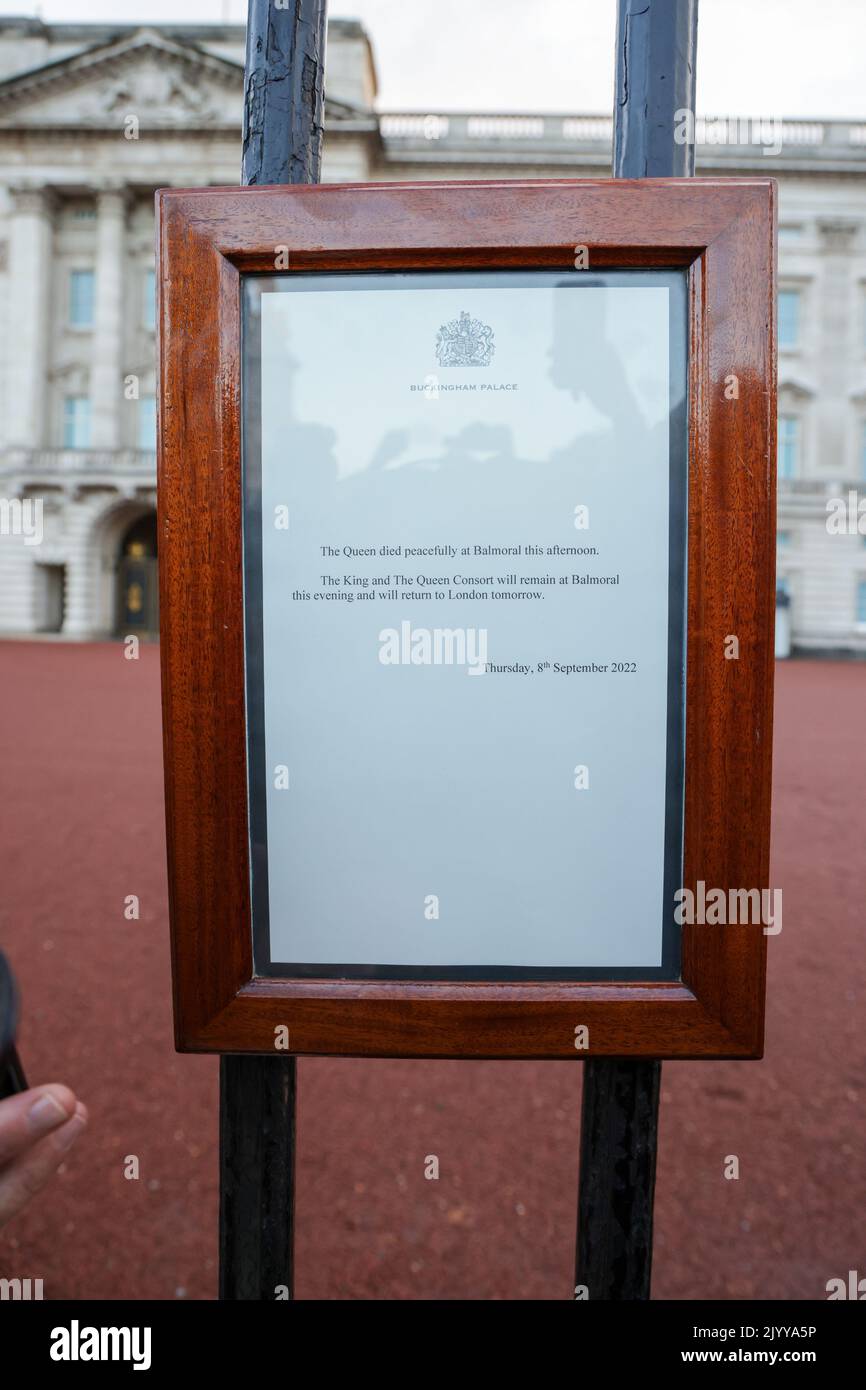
(789, 318)
(861, 602)
(147, 423)
(150, 300)
(81, 291)
(789, 446)
(76, 422)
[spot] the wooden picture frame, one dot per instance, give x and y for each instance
(723, 233)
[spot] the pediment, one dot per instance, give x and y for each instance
(146, 74)
(166, 85)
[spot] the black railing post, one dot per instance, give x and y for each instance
(656, 44)
(283, 120)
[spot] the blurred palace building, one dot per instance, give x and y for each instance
(93, 118)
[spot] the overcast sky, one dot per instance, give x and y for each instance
(755, 57)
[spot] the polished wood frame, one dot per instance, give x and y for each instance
(724, 232)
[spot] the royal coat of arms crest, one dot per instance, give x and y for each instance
(465, 342)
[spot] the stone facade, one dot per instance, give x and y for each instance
(93, 118)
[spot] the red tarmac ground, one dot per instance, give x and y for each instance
(82, 827)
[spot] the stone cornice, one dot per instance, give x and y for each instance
(31, 27)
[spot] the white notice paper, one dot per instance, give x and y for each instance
(465, 501)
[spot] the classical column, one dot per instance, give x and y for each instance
(837, 347)
(83, 559)
(825, 599)
(106, 375)
(30, 266)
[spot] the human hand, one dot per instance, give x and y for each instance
(37, 1128)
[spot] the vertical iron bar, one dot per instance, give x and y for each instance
(282, 143)
(284, 101)
(257, 1176)
(656, 45)
(619, 1133)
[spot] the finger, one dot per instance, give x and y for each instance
(28, 1117)
(28, 1174)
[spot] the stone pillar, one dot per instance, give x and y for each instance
(30, 269)
(825, 605)
(836, 349)
(106, 375)
(83, 560)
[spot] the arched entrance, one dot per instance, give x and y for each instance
(137, 588)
